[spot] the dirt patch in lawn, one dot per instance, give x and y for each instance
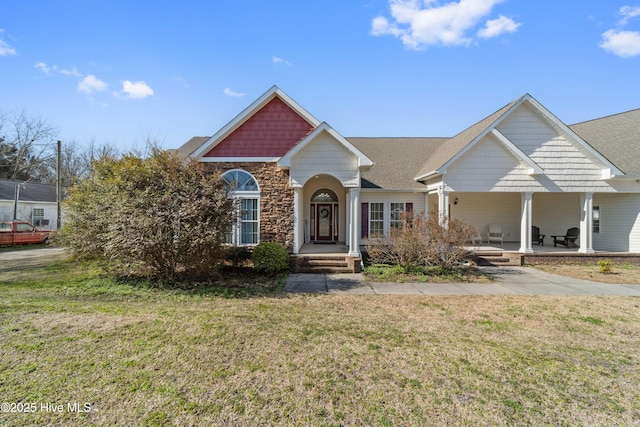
(76, 322)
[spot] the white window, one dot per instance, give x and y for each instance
(596, 219)
(397, 210)
(38, 217)
(243, 188)
(376, 219)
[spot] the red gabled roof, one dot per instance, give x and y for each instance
(270, 132)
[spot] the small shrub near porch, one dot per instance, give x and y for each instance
(270, 258)
(422, 242)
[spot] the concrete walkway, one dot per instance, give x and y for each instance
(508, 281)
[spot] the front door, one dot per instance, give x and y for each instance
(325, 222)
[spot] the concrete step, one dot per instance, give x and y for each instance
(322, 264)
(325, 270)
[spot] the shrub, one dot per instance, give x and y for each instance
(605, 266)
(155, 216)
(422, 241)
(270, 257)
(237, 255)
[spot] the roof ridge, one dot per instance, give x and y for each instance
(398, 137)
(606, 117)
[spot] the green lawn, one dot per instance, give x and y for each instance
(143, 356)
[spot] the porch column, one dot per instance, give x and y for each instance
(525, 222)
(586, 224)
(354, 222)
(426, 205)
(298, 225)
(443, 205)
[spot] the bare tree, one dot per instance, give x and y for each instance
(27, 145)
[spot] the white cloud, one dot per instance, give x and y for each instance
(73, 72)
(422, 23)
(45, 68)
(5, 49)
(232, 94)
(622, 43)
(91, 84)
(627, 13)
(496, 27)
(183, 82)
(277, 61)
(136, 90)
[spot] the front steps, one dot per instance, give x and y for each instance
(497, 258)
(324, 264)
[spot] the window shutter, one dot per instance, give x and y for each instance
(364, 223)
(409, 207)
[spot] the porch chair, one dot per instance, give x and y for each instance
(536, 237)
(569, 239)
(495, 234)
(476, 238)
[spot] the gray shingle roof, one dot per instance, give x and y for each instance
(616, 137)
(191, 145)
(29, 192)
(396, 160)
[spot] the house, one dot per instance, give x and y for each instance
(36, 203)
(298, 180)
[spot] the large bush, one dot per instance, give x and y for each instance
(422, 241)
(270, 257)
(154, 215)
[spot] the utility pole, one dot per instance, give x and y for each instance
(16, 199)
(58, 183)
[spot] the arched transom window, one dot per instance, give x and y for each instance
(324, 196)
(239, 180)
(243, 188)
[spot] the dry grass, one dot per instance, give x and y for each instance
(622, 273)
(156, 357)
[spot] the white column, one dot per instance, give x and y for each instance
(354, 222)
(426, 205)
(525, 222)
(443, 205)
(347, 218)
(298, 224)
(586, 224)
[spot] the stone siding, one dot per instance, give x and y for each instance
(276, 199)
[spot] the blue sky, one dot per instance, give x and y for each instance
(120, 72)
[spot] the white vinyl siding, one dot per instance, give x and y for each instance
(325, 155)
(620, 222)
(481, 209)
(566, 165)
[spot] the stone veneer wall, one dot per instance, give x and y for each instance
(276, 199)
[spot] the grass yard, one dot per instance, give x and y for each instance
(396, 274)
(621, 272)
(143, 356)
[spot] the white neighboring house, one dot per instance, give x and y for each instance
(303, 182)
(36, 203)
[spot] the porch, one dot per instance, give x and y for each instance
(509, 254)
(322, 258)
(334, 258)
